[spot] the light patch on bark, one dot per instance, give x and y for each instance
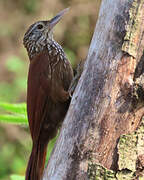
(133, 29)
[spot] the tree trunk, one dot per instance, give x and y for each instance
(108, 100)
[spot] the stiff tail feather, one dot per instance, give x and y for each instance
(36, 162)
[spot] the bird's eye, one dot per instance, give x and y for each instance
(40, 26)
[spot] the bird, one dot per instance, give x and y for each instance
(49, 77)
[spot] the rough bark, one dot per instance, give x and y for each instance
(108, 100)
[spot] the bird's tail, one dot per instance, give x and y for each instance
(36, 162)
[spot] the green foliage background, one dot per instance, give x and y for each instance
(74, 33)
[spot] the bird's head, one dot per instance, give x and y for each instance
(40, 33)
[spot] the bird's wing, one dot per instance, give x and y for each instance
(47, 87)
(36, 97)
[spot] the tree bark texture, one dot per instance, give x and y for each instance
(108, 100)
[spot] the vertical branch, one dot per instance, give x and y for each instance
(102, 106)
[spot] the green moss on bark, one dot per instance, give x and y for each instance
(98, 172)
(130, 148)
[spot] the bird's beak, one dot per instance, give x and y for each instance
(57, 18)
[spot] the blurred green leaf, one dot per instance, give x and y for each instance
(15, 119)
(14, 64)
(14, 108)
(16, 177)
(17, 113)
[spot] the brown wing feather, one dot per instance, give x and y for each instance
(36, 97)
(44, 102)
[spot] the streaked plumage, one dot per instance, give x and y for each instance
(49, 78)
